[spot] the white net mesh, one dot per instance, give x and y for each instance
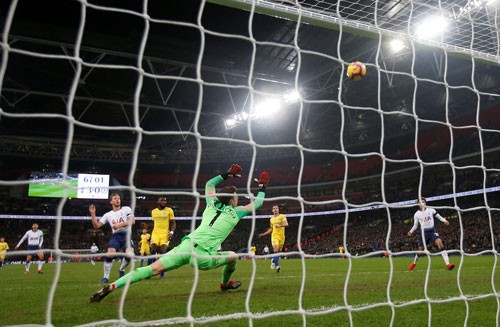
(166, 95)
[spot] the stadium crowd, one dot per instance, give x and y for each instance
(367, 231)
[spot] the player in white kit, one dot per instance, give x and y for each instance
(93, 249)
(35, 242)
(266, 251)
(119, 219)
(425, 217)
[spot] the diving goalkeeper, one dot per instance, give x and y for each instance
(221, 215)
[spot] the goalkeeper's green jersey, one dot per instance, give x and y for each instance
(219, 219)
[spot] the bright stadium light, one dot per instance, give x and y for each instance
(235, 120)
(262, 108)
(230, 123)
(266, 108)
(396, 45)
(431, 27)
(291, 96)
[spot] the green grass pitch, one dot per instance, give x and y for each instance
(53, 190)
(24, 298)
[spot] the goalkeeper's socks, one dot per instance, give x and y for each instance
(227, 272)
(276, 260)
(135, 276)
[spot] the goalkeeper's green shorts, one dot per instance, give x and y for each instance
(182, 255)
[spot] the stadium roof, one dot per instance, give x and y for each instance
(72, 61)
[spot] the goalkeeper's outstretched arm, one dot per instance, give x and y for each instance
(262, 183)
(234, 171)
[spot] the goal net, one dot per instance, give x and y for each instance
(152, 98)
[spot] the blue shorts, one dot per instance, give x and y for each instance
(34, 249)
(430, 236)
(118, 242)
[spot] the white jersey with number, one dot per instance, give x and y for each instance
(34, 238)
(425, 218)
(117, 217)
(94, 249)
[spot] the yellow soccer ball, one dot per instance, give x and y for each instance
(356, 70)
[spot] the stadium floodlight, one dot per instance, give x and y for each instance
(266, 108)
(291, 96)
(235, 120)
(230, 123)
(262, 108)
(431, 27)
(396, 45)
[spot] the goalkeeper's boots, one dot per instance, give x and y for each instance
(278, 269)
(450, 266)
(412, 266)
(101, 294)
(232, 285)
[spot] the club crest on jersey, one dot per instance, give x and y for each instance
(118, 221)
(230, 211)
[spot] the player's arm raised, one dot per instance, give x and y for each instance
(95, 222)
(262, 183)
(234, 171)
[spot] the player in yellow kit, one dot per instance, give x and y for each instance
(253, 249)
(144, 242)
(3, 248)
(164, 227)
(278, 223)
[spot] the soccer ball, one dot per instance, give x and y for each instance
(356, 70)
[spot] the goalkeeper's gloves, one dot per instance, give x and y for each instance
(263, 181)
(234, 171)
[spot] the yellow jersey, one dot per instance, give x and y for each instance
(3, 247)
(162, 219)
(278, 231)
(145, 239)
